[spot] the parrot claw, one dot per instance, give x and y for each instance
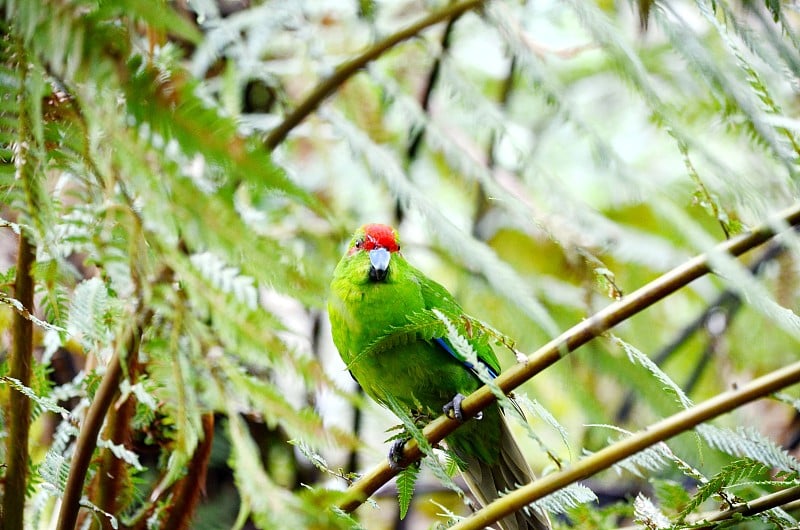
(396, 454)
(453, 409)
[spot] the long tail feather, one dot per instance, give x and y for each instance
(508, 473)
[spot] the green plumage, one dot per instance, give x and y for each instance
(386, 332)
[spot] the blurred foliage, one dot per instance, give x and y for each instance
(540, 160)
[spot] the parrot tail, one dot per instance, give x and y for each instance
(510, 471)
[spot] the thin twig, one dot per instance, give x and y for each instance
(347, 69)
(417, 134)
(567, 342)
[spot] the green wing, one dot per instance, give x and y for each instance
(437, 297)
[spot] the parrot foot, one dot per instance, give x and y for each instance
(453, 409)
(396, 454)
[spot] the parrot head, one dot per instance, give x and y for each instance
(378, 242)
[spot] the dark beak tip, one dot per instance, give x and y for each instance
(379, 264)
(377, 275)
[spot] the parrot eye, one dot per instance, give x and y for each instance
(359, 243)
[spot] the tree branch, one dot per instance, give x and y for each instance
(347, 69)
(605, 458)
(569, 341)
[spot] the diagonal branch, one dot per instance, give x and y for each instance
(658, 432)
(347, 69)
(569, 341)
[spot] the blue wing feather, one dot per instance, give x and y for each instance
(471, 367)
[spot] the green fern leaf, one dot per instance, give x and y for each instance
(317, 460)
(406, 480)
(88, 315)
(729, 475)
(671, 495)
(637, 357)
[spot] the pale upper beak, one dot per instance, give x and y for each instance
(379, 263)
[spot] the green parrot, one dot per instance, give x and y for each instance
(375, 294)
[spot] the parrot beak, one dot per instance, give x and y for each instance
(379, 264)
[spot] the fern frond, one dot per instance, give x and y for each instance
(671, 495)
(535, 408)
(53, 296)
(728, 476)
(748, 442)
(431, 461)
(747, 101)
(646, 513)
(637, 357)
(268, 401)
(645, 462)
(738, 277)
(89, 311)
(423, 326)
(317, 460)
(565, 499)
(406, 480)
(44, 403)
(269, 505)
(112, 520)
(54, 470)
(121, 452)
(225, 278)
(17, 306)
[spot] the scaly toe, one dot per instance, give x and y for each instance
(396, 454)
(453, 409)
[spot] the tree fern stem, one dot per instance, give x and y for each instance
(112, 479)
(87, 439)
(568, 342)
(19, 406)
